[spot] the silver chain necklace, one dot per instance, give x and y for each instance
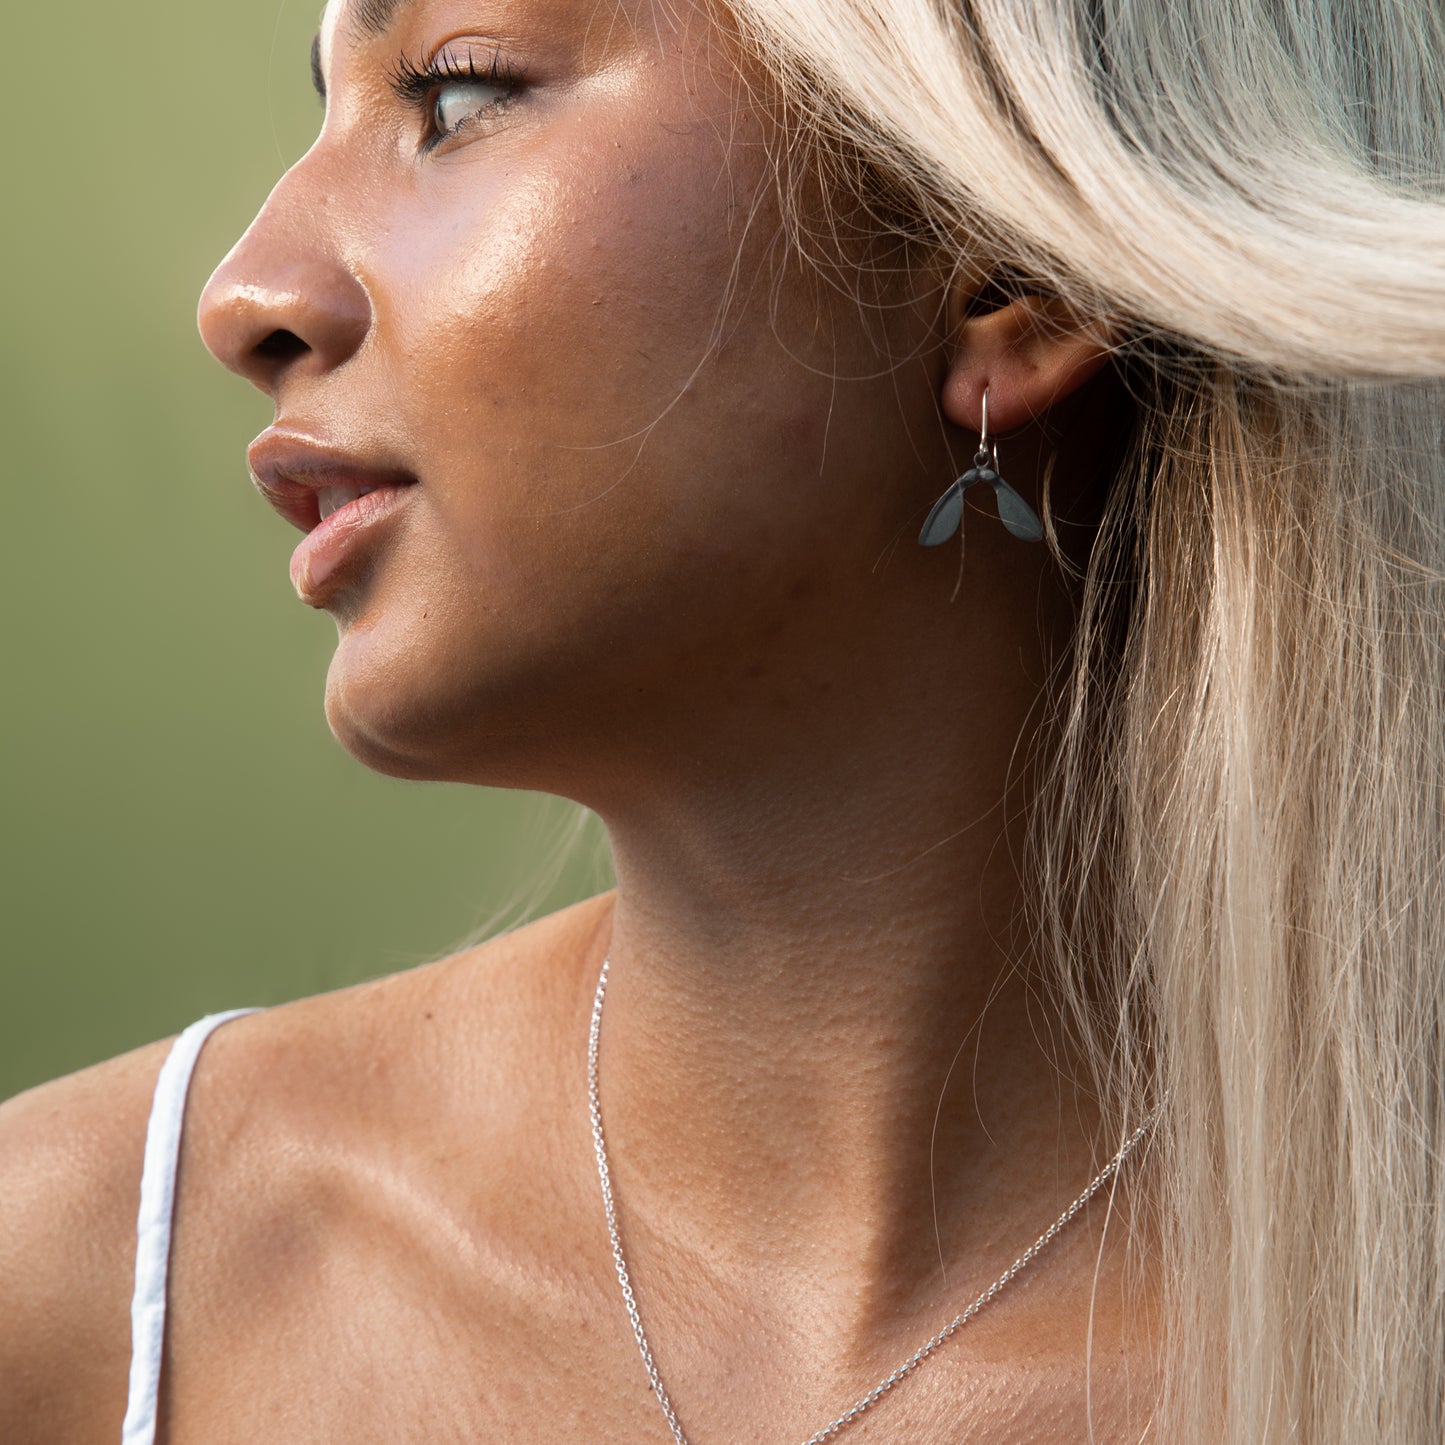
(915, 1359)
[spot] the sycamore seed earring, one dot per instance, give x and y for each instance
(1015, 513)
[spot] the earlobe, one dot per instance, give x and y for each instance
(1027, 355)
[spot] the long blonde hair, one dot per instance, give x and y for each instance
(1239, 849)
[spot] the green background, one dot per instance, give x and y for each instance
(180, 831)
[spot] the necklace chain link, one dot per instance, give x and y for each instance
(624, 1278)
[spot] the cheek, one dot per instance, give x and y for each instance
(556, 342)
(586, 295)
(618, 479)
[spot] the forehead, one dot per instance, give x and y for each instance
(355, 21)
(362, 20)
(360, 17)
(363, 17)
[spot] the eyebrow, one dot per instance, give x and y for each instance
(368, 17)
(374, 17)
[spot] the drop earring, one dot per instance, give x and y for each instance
(1015, 513)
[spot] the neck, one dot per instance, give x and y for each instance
(871, 1095)
(822, 1049)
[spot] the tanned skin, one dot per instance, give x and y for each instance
(656, 553)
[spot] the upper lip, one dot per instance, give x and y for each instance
(289, 468)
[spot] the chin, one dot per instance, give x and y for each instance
(400, 706)
(379, 709)
(385, 741)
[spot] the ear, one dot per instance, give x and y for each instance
(1028, 353)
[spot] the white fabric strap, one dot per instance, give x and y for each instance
(153, 1227)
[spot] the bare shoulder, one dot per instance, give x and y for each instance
(284, 1107)
(395, 1042)
(366, 1165)
(69, 1189)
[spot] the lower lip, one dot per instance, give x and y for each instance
(326, 548)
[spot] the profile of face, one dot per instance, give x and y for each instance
(632, 459)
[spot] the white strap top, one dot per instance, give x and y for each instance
(153, 1227)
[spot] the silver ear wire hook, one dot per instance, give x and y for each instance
(947, 515)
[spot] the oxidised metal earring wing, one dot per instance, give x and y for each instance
(947, 514)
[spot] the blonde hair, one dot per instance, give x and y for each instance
(1239, 848)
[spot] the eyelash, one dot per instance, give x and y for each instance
(417, 86)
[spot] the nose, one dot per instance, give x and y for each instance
(282, 304)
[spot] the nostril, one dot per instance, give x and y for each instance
(268, 314)
(281, 346)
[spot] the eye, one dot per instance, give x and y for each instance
(454, 90)
(457, 102)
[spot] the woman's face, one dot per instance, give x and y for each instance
(630, 455)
